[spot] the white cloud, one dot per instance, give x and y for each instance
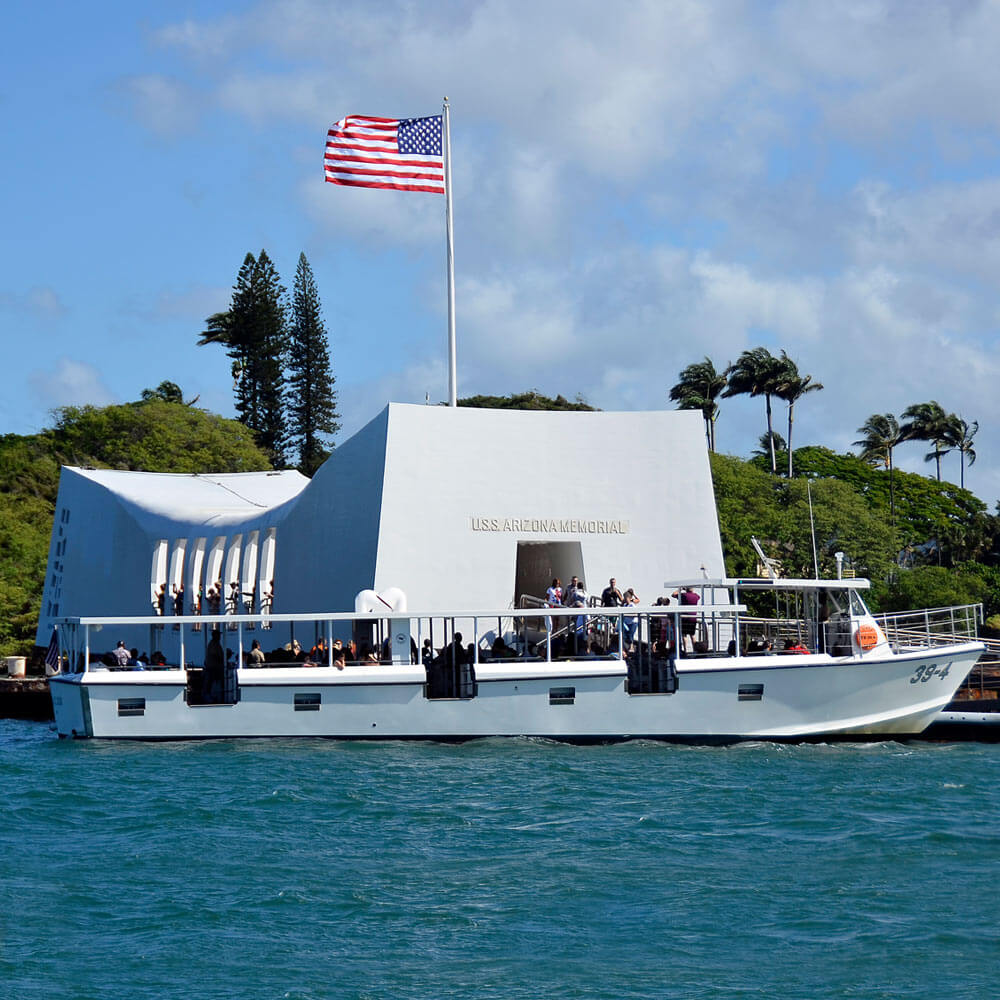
(195, 303)
(950, 228)
(39, 302)
(639, 185)
(164, 104)
(71, 383)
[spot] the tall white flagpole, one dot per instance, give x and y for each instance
(452, 366)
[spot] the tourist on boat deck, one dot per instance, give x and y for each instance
(255, 658)
(794, 646)
(689, 623)
(629, 622)
(215, 666)
(426, 652)
(339, 656)
(611, 596)
(454, 653)
(579, 600)
(660, 626)
(500, 650)
(179, 599)
(120, 654)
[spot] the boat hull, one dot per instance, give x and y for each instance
(717, 700)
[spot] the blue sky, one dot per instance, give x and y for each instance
(636, 186)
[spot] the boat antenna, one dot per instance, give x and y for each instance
(812, 529)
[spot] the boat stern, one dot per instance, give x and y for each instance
(70, 705)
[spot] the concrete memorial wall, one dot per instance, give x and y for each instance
(462, 509)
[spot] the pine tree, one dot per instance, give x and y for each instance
(254, 334)
(312, 402)
(268, 359)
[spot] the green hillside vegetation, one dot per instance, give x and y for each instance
(525, 401)
(939, 550)
(152, 435)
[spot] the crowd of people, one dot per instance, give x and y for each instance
(661, 628)
(210, 601)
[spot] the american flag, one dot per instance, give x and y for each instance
(52, 653)
(404, 154)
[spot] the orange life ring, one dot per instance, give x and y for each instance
(866, 637)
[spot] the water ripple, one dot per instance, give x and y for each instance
(496, 868)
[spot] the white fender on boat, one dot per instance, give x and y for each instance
(394, 597)
(370, 602)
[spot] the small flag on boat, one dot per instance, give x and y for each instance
(52, 653)
(403, 154)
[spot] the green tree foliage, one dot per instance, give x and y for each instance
(254, 333)
(938, 527)
(933, 587)
(752, 503)
(29, 478)
(935, 522)
(525, 401)
(152, 435)
(312, 400)
(698, 388)
(169, 392)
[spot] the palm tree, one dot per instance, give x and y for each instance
(698, 388)
(792, 387)
(767, 443)
(757, 373)
(929, 422)
(960, 438)
(881, 433)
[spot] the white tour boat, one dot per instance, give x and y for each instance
(816, 666)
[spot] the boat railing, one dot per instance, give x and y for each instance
(536, 634)
(908, 630)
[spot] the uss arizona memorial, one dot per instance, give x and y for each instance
(457, 507)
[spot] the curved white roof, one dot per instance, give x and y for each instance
(216, 498)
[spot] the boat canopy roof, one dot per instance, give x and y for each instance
(764, 583)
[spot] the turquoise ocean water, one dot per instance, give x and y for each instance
(497, 868)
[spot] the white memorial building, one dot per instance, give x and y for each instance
(460, 508)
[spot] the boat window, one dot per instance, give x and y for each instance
(858, 608)
(308, 702)
(750, 692)
(562, 696)
(836, 602)
(131, 706)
